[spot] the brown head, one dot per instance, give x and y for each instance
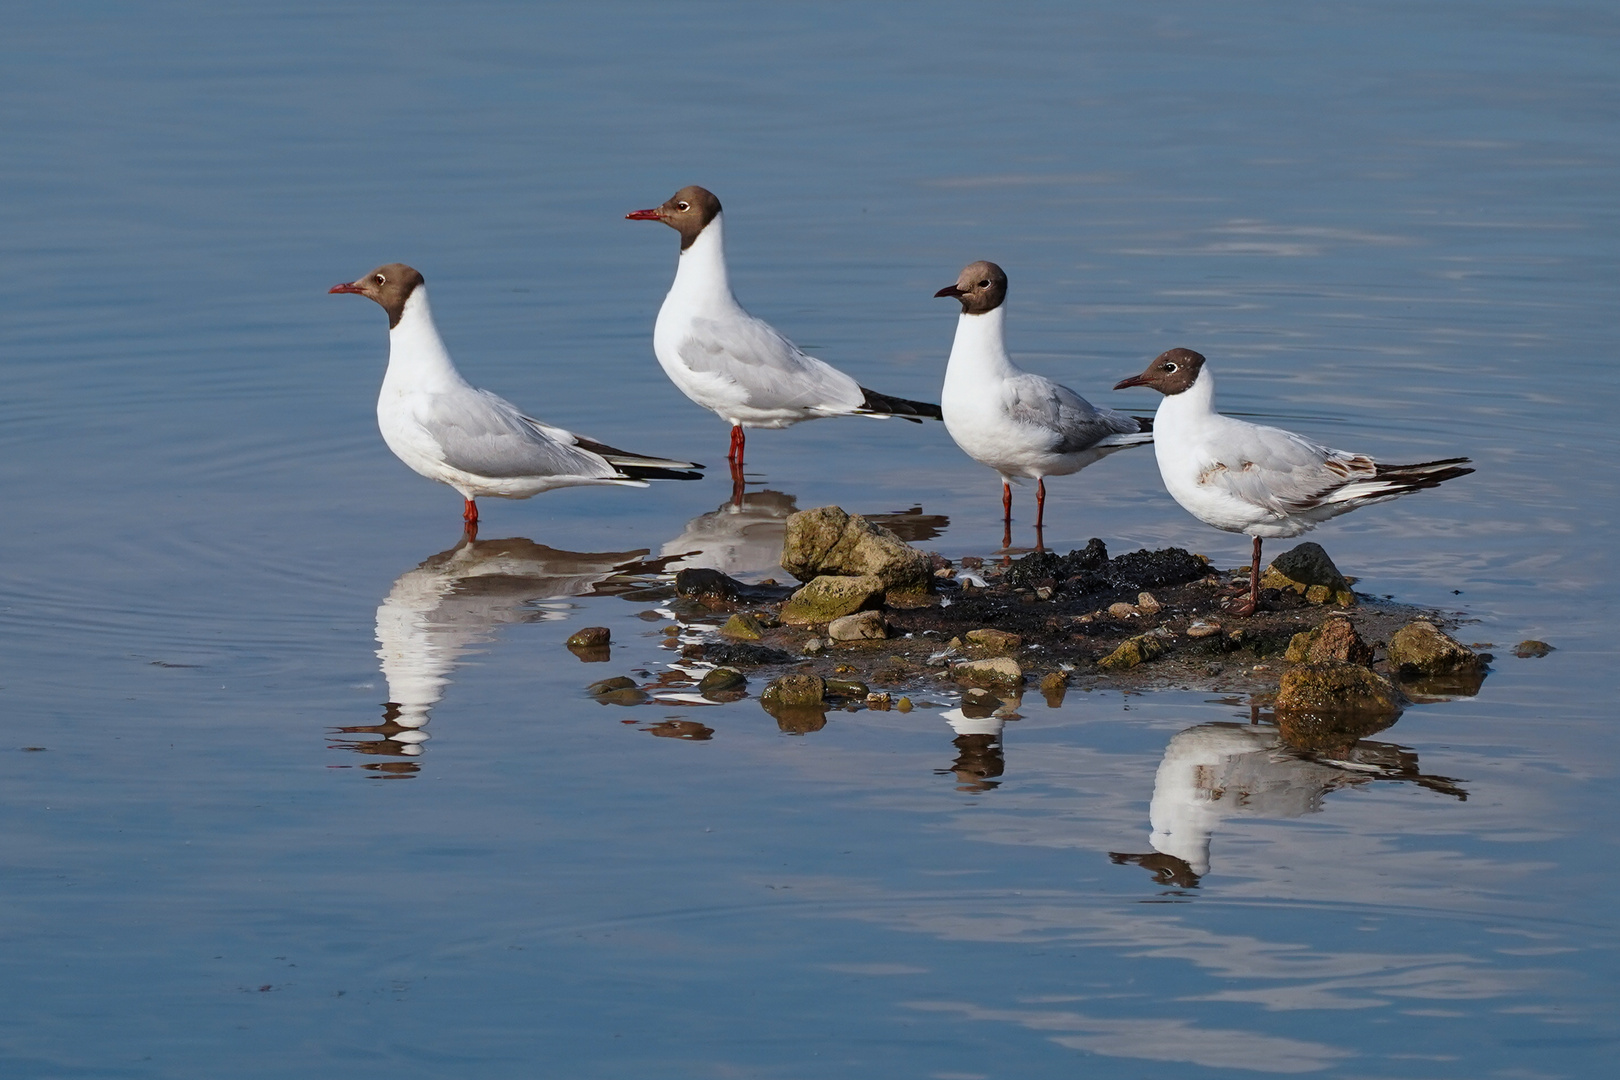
(389, 285)
(981, 287)
(1170, 373)
(687, 212)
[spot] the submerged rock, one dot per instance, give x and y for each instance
(794, 691)
(722, 680)
(1422, 648)
(589, 638)
(713, 588)
(1054, 685)
(619, 690)
(1335, 639)
(862, 626)
(827, 598)
(1307, 570)
(829, 541)
(1531, 650)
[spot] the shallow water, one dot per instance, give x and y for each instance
(1391, 228)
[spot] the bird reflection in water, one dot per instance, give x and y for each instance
(744, 535)
(453, 602)
(1215, 771)
(979, 757)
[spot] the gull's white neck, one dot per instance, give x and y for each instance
(417, 358)
(701, 284)
(1192, 405)
(980, 350)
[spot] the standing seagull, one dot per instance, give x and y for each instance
(1261, 481)
(732, 363)
(447, 430)
(1018, 423)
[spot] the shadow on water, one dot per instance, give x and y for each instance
(454, 601)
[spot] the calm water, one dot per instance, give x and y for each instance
(1391, 227)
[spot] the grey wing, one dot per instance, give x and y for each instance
(485, 435)
(1282, 471)
(769, 368)
(1075, 423)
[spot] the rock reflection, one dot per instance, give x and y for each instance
(744, 535)
(1220, 770)
(454, 601)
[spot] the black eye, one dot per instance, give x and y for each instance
(984, 284)
(381, 280)
(1169, 367)
(683, 207)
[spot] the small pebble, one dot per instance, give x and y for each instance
(1202, 628)
(880, 702)
(1148, 604)
(903, 705)
(1530, 650)
(1122, 610)
(814, 647)
(1044, 592)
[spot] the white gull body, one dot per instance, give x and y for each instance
(480, 444)
(1023, 425)
(1263, 481)
(733, 364)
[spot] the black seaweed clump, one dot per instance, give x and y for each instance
(742, 654)
(1091, 570)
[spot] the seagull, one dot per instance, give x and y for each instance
(1260, 481)
(1018, 423)
(738, 366)
(481, 445)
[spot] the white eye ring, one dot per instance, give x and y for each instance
(381, 280)
(1170, 367)
(984, 284)
(683, 207)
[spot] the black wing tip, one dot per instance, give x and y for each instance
(1424, 474)
(905, 409)
(1143, 423)
(655, 472)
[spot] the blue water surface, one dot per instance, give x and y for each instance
(1389, 226)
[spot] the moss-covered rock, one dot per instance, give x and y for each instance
(1333, 686)
(1307, 570)
(995, 671)
(1335, 639)
(1133, 651)
(796, 690)
(722, 680)
(827, 540)
(827, 598)
(743, 627)
(997, 641)
(1422, 648)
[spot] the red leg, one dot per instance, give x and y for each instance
(1251, 603)
(1040, 503)
(1006, 501)
(738, 439)
(469, 513)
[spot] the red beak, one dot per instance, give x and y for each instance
(644, 215)
(1134, 380)
(347, 286)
